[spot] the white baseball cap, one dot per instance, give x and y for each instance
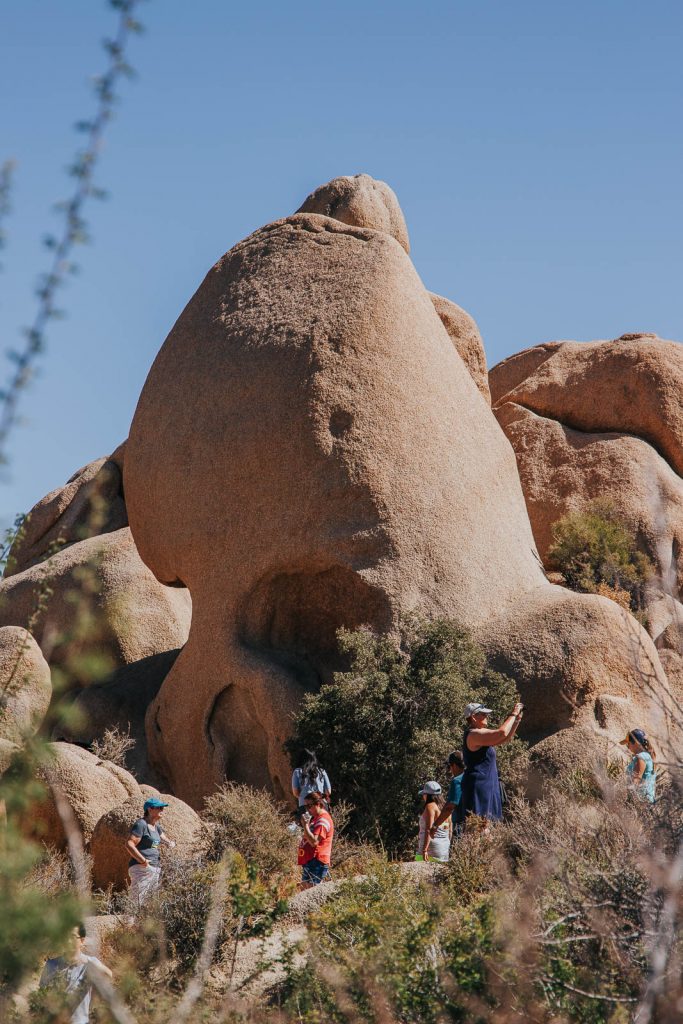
(430, 789)
(477, 709)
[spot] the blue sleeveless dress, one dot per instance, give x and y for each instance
(480, 783)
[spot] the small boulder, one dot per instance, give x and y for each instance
(90, 503)
(362, 202)
(91, 786)
(25, 684)
(464, 333)
(102, 604)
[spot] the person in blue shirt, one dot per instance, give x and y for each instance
(456, 766)
(641, 771)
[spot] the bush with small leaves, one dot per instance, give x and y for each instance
(597, 553)
(386, 725)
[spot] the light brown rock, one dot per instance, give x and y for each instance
(107, 846)
(25, 684)
(572, 413)
(121, 702)
(90, 503)
(631, 385)
(464, 333)
(91, 787)
(309, 452)
(360, 201)
(102, 601)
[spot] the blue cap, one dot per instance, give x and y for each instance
(635, 734)
(154, 802)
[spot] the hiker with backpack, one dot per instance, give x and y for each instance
(308, 778)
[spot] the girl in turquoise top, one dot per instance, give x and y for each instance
(641, 772)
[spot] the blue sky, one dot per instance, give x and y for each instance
(535, 147)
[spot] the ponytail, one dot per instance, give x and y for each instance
(650, 749)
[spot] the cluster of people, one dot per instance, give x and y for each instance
(474, 793)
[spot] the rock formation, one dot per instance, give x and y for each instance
(92, 787)
(362, 202)
(464, 333)
(95, 599)
(603, 420)
(90, 503)
(309, 451)
(25, 684)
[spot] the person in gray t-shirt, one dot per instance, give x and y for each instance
(311, 777)
(73, 972)
(144, 840)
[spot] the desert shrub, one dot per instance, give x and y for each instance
(250, 822)
(179, 910)
(113, 746)
(386, 725)
(597, 553)
(54, 872)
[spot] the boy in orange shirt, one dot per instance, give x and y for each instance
(316, 845)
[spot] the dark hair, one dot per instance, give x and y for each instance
(635, 737)
(314, 795)
(456, 758)
(433, 798)
(81, 929)
(310, 767)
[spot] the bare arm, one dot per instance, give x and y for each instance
(429, 814)
(311, 839)
(477, 738)
(132, 844)
(638, 769)
(99, 968)
(446, 813)
(165, 839)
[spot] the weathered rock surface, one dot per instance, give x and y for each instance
(630, 385)
(603, 421)
(464, 333)
(309, 452)
(89, 504)
(121, 702)
(107, 846)
(362, 202)
(91, 787)
(102, 601)
(25, 684)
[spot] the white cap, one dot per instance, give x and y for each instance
(430, 789)
(477, 709)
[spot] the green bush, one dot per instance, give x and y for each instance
(594, 549)
(386, 725)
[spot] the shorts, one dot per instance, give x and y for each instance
(314, 872)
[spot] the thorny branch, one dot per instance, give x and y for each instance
(74, 228)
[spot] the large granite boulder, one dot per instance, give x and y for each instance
(94, 606)
(25, 684)
(90, 786)
(89, 504)
(309, 451)
(603, 420)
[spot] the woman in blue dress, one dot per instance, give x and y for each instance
(641, 771)
(481, 794)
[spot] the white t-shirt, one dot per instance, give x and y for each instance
(74, 977)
